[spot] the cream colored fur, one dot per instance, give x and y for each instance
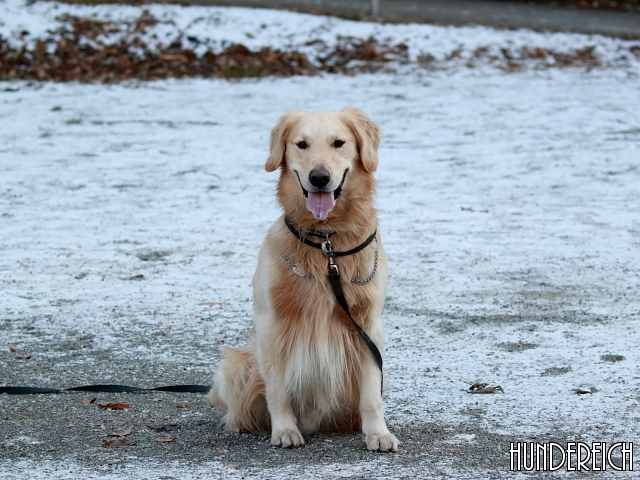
(306, 369)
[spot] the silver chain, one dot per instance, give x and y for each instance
(373, 272)
(296, 269)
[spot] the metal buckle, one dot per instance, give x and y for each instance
(332, 267)
(326, 248)
(328, 252)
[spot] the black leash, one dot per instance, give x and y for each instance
(334, 279)
(106, 389)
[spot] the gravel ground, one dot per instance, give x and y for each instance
(508, 207)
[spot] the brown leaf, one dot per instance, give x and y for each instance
(160, 333)
(114, 406)
(101, 424)
(222, 450)
(117, 442)
(531, 437)
(232, 466)
(181, 405)
(210, 304)
(13, 349)
(495, 389)
(579, 391)
(22, 357)
(164, 440)
(122, 433)
(164, 428)
(477, 386)
(69, 425)
(87, 401)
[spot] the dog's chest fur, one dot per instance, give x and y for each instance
(322, 354)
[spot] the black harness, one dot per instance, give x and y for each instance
(334, 279)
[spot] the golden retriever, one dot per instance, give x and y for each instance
(306, 369)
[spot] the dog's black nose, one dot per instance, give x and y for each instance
(319, 177)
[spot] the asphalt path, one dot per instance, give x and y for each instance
(493, 13)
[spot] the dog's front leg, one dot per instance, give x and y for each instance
(374, 428)
(284, 429)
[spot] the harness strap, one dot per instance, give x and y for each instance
(306, 241)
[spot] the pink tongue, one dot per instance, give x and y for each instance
(320, 204)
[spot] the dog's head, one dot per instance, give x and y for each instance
(322, 154)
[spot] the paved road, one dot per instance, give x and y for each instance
(509, 212)
(492, 13)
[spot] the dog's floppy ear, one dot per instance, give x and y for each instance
(367, 134)
(278, 142)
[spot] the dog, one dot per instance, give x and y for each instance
(306, 368)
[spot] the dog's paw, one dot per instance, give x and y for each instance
(287, 438)
(229, 425)
(382, 442)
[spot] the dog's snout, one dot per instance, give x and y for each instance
(319, 177)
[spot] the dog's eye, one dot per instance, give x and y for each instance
(302, 145)
(338, 143)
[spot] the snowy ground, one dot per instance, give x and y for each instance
(509, 209)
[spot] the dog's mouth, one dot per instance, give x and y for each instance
(321, 202)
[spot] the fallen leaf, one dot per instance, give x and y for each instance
(87, 401)
(136, 277)
(22, 357)
(440, 472)
(164, 428)
(531, 437)
(495, 389)
(181, 405)
(101, 424)
(191, 330)
(13, 349)
(114, 406)
(69, 425)
(117, 442)
(233, 466)
(222, 450)
(210, 304)
(579, 391)
(160, 333)
(164, 440)
(122, 433)
(477, 386)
